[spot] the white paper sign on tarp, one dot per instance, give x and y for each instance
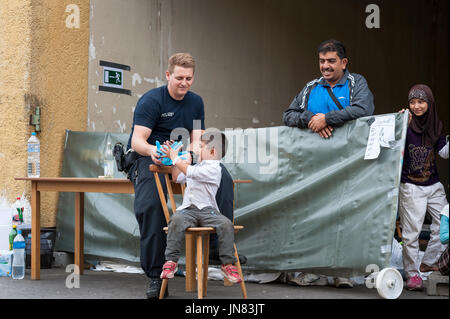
(381, 134)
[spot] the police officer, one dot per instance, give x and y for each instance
(158, 112)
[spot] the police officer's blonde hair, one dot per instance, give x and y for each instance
(184, 60)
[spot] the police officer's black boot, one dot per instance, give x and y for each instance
(154, 287)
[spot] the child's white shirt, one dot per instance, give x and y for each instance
(202, 182)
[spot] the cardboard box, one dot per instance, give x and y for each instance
(6, 263)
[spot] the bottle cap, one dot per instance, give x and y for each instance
(18, 197)
(14, 226)
(34, 133)
(19, 231)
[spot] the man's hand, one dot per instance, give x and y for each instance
(154, 155)
(326, 132)
(317, 122)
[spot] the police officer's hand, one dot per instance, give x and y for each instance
(154, 155)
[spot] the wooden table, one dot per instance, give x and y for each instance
(79, 186)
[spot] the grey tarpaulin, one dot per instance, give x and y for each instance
(315, 204)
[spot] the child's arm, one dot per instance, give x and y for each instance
(176, 173)
(179, 165)
(203, 174)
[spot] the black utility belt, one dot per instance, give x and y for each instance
(124, 160)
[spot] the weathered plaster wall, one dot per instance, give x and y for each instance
(15, 82)
(44, 62)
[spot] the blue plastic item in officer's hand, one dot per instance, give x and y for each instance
(166, 160)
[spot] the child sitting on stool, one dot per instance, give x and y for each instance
(199, 207)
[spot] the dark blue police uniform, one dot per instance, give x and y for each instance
(158, 111)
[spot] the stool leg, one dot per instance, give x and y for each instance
(190, 262)
(238, 264)
(199, 267)
(163, 289)
(226, 282)
(205, 263)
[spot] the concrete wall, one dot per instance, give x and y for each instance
(45, 63)
(253, 56)
(129, 33)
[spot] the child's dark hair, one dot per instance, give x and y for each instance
(217, 140)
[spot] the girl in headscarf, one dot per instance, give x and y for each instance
(420, 188)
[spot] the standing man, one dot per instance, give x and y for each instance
(158, 112)
(336, 97)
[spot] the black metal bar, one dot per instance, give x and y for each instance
(114, 90)
(115, 65)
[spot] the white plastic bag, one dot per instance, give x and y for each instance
(396, 255)
(5, 211)
(5, 221)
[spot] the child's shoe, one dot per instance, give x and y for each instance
(231, 273)
(169, 269)
(414, 283)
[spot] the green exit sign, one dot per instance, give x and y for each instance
(112, 77)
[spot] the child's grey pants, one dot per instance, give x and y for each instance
(414, 202)
(206, 217)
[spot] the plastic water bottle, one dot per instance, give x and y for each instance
(34, 156)
(108, 161)
(18, 264)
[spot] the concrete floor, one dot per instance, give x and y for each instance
(112, 285)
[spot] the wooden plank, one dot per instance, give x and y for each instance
(35, 232)
(79, 231)
(74, 184)
(205, 262)
(199, 267)
(83, 186)
(190, 262)
(170, 191)
(162, 198)
(163, 288)
(238, 265)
